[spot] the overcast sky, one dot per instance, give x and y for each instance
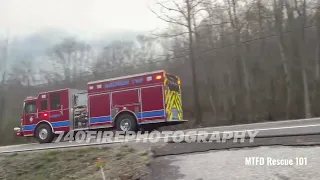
(90, 18)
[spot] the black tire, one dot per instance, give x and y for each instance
(129, 118)
(50, 136)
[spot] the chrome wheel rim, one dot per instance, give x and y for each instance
(43, 134)
(125, 124)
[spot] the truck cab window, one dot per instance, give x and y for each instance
(44, 105)
(30, 107)
(55, 101)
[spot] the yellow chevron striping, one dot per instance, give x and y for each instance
(173, 100)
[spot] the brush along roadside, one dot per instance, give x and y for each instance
(84, 163)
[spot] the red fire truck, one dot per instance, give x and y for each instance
(126, 103)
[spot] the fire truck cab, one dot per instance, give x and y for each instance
(126, 103)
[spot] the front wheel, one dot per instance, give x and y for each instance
(126, 122)
(44, 134)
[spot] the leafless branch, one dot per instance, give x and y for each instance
(170, 35)
(177, 5)
(214, 24)
(296, 7)
(242, 24)
(169, 9)
(230, 15)
(197, 4)
(201, 9)
(169, 20)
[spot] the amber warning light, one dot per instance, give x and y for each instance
(158, 77)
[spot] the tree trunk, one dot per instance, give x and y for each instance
(317, 69)
(213, 106)
(278, 15)
(250, 113)
(233, 16)
(3, 81)
(196, 103)
(306, 94)
(261, 33)
(317, 60)
(297, 24)
(287, 78)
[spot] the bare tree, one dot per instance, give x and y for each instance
(3, 70)
(185, 15)
(115, 56)
(24, 71)
(316, 20)
(278, 19)
(238, 26)
(145, 51)
(297, 24)
(216, 33)
(50, 77)
(70, 57)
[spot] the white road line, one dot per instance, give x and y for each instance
(59, 147)
(252, 124)
(245, 130)
(286, 127)
(18, 145)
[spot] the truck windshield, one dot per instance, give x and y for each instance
(23, 107)
(30, 107)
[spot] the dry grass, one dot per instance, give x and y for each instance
(121, 163)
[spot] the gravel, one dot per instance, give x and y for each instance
(230, 165)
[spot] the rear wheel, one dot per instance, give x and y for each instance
(44, 134)
(126, 122)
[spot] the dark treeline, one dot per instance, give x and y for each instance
(253, 61)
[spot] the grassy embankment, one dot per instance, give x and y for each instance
(122, 163)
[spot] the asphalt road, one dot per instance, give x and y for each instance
(227, 160)
(268, 129)
(231, 165)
